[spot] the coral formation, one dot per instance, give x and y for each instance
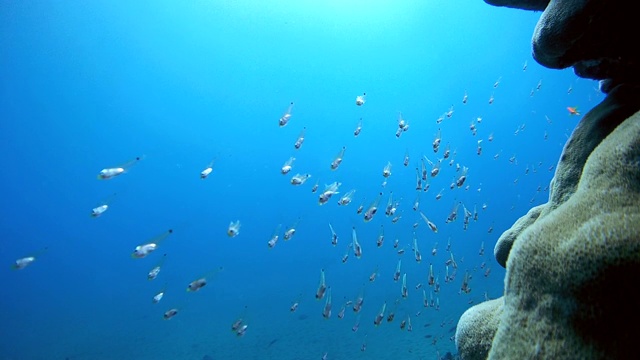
(568, 271)
(476, 329)
(505, 242)
(590, 35)
(537, 5)
(570, 262)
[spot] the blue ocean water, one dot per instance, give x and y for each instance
(93, 85)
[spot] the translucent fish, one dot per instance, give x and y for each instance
(111, 172)
(338, 159)
(357, 249)
(284, 119)
(143, 250)
(274, 238)
(288, 234)
(102, 207)
(234, 229)
(322, 286)
(207, 171)
(202, 281)
(300, 139)
(326, 311)
(358, 129)
(155, 271)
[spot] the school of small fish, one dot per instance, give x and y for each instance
(441, 269)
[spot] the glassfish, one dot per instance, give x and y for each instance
(288, 234)
(207, 171)
(299, 179)
(380, 316)
(360, 207)
(431, 225)
(201, 282)
(197, 284)
(284, 119)
(342, 311)
(322, 286)
(300, 139)
(357, 249)
(436, 141)
(170, 314)
(356, 325)
(334, 236)
(358, 129)
(432, 279)
(373, 208)
(357, 305)
(329, 190)
(104, 206)
(27, 260)
(143, 250)
(449, 112)
(338, 159)
(396, 274)
(99, 210)
(157, 297)
(23, 262)
(386, 172)
(464, 288)
(463, 176)
(373, 275)
(345, 257)
(346, 198)
(453, 215)
(403, 290)
(287, 166)
(234, 229)
(274, 238)
(109, 173)
(416, 252)
(155, 271)
(380, 239)
(326, 311)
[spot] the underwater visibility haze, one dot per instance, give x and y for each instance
(154, 93)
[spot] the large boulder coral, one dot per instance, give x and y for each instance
(570, 261)
(567, 292)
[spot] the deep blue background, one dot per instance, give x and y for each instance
(89, 85)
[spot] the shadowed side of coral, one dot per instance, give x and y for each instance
(592, 36)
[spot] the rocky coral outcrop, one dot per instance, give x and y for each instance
(571, 260)
(476, 329)
(566, 291)
(537, 5)
(593, 36)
